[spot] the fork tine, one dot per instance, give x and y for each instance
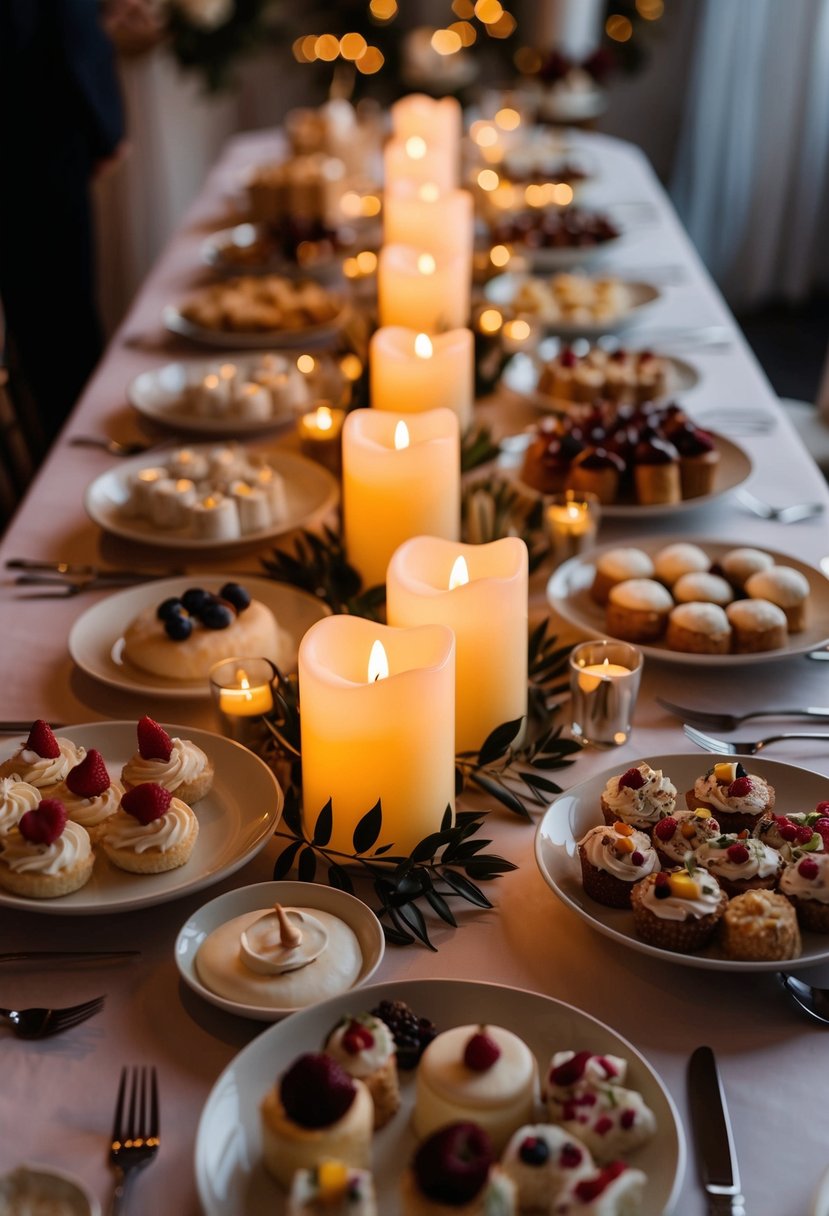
(117, 1126)
(707, 742)
(72, 1019)
(154, 1117)
(133, 1096)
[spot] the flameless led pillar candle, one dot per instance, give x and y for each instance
(378, 708)
(437, 120)
(412, 372)
(416, 160)
(430, 220)
(423, 291)
(480, 592)
(401, 478)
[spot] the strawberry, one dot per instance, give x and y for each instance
(153, 741)
(740, 787)
(631, 780)
(89, 778)
(44, 824)
(42, 741)
(316, 1091)
(665, 828)
(147, 802)
(481, 1052)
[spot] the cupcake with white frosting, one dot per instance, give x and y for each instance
(637, 610)
(641, 796)
(364, 1047)
(88, 794)
(757, 625)
(151, 832)
(679, 909)
(740, 863)
(785, 587)
(617, 566)
(699, 628)
(738, 565)
(16, 798)
(679, 559)
(46, 855)
(702, 588)
(176, 764)
(805, 881)
(737, 798)
(612, 860)
(43, 760)
(677, 837)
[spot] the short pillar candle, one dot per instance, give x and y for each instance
(423, 291)
(411, 372)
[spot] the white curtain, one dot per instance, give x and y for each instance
(752, 172)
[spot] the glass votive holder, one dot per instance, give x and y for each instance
(571, 521)
(604, 683)
(320, 436)
(242, 691)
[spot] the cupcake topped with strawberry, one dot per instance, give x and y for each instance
(151, 831)
(176, 764)
(740, 862)
(46, 855)
(88, 794)
(43, 760)
(640, 797)
(678, 836)
(737, 798)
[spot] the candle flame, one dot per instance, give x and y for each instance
(460, 573)
(244, 682)
(378, 663)
(426, 264)
(211, 382)
(429, 192)
(401, 436)
(416, 147)
(227, 371)
(423, 346)
(306, 364)
(323, 418)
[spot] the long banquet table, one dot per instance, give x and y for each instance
(57, 1096)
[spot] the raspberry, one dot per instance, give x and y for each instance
(608, 1068)
(664, 830)
(788, 831)
(147, 802)
(42, 741)
(44, 824)
(627, 1118)
(570, 1156)
(571, 1070)
(631, 780)
(591, 1188)
(357, 1038)
(602, 1126)
(804, 835)
(822, 829)
(738, 853)
(316, 1091)
(740, 787)
(808, 867)
(452, 1166)
(637, 858)
(153, 741)
(822, 808)
(89, 778)
(481, 1052)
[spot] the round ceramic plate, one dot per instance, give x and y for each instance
(503, 289)
(568, 592)
(159, 394)
(96, 641)
(733, 469)
(354, 912)
(309, 335)
(236, 820)
(522, 372)
(229, 1173)
(554, 259)
(225, 252)
(310, 490)
(578, 809)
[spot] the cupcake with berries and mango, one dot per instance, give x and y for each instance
(640, 797)
(805, 881)
(613, 858)
(740, 862)
(677, 837)
(737, 798)
(364, 1047)
(678, 909)
(455, 1173)
(807, 831)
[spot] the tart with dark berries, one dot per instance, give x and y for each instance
(455, 1170)
(412, 1034)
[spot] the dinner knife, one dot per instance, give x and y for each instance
(57, 956)
(716, 1157)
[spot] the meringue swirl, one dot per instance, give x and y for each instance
(16, 798)
(186, 763)
(90, 812)
(23, 857)
(125, 832)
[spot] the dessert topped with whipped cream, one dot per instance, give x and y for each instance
(364, 1046)
(640, 796)
(805, 832)
(16, 798)
(542, 1159)
(88, 794)
(43, 760)
(679, 909)
(151, 831)
(45, 855)
(807, 878)
(611, 1190)
(176, 764)
(739, 861)
(612, 859)
(679, 835)
(737, 798)
(585, 1095)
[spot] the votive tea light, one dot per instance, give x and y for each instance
(604, 684)
(320, 436)
(571, 521)
(242, 692)
(253, 402)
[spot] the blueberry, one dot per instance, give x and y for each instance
(196, 599)
(236, 595)
(662, 891)
(178, 627)
(170, 607)
(534, 1150)
(217, 616)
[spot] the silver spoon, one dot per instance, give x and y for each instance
(813, 1001)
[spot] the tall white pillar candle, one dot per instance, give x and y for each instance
(401, 478)
(414, 160)
(433, 221)
(437, 120)
(411, 372)
(423, 291)
(370, 732)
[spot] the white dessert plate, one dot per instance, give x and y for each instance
(310, 490)
(236, 819)
(568, 592)
(225, 339)
(357, 915)
(224, 252)
(96, 640)
(523, 370)
(159, 394)
(821, 1205)
(578, 809)
(229, 1173)
(503, 290)
(46, 1189)
(734, 468)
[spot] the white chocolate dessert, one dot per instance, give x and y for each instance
(16, 798)
(499, 1097)
(254, 960)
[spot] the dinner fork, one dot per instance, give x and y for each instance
(135, 1131)
(742, 748)
(715, 721)
(791, 514)
(41, 1023)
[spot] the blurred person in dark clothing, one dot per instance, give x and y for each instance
(61, 121)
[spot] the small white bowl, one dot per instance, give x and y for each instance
(41, 1183)
(354, 912)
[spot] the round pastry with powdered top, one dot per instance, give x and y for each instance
(757, 625)
(681, 558)
(738, 565)
(637, 610)
(617, 566)
(702, 588)
(785, 587)
(699, 629)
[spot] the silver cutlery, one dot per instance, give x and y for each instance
(702, 336)
(41, 1023)
(743, 747)
(56, 587)
(791, 514)
(115, 447)
(737, 422)
(820, 656)
(714, 721)
(135, 1132)
(78, 569)
(59, 956)
(813, 1001)
(23, 728)
(716, 1156)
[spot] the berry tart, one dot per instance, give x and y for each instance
(679, 909)
(639, 797)
(638, 610)
(151, 832)
(45, 855)
(617, 566)
(598, 471)
(698, 628)
(364, 1047)
(332, 1188)
(584, 1094)
(677, 837)
(615, 1189)
(805, 881)
(315, 1112)
(177, 764)
(612, 860)
(760, 925)
(88, 794)
(481, 1071)
(454, 1173)
(757, 625)
(785, 587)
(16, 798)
(738, 799)
(740, 863)
(541, 1159)
(43, 760)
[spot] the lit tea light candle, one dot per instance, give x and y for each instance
(247, 700)
(254, 402)
(242, 692)
(604, 684)
(422, 291)
(571, 520)
(480, 592)
(401, 478)
(431, 220)
(411, 372)
(377, 723)
(320, 436)
(212, 400)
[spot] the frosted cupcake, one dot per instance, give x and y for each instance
(612, 860)
(679, 559)
(679, 910)
(45, 856)
(176, 764)
(43, 760)
(785, 587)
(698, 628)
(805, 881)
(738, 565)
(617, 566)
(757, 626)
(89, 796)
(807, 832)
(637, 611)
(151, 832)
(16, 798)
(364, 1047)
(639, 797)
(738, 799)
(334, 1188)
(677, 837)
(702, 588)
(542, 1159)
(740, 863)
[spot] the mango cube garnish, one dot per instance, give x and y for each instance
(725, 773)
(623, 829)
(332, 1178)
(625, 845)
(702, 812)
(683, 886)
